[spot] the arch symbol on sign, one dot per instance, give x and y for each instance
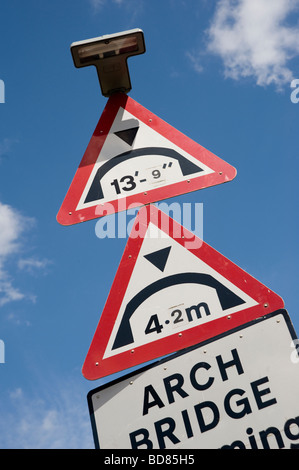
(226, 297)
(96, 192)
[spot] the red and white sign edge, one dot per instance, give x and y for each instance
(73, 210)
(259, 300)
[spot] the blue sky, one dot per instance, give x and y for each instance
(220, 72)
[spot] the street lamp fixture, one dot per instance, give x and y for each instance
(109, 54)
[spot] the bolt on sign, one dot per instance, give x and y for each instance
(238, 390)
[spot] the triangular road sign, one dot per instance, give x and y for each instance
(135, 158)
(171, 291)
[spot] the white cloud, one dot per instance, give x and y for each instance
(54, 418)
(5, 146)
(8, 293)
(195, 61)
(132, 8)
(98, 4)
(33, 264)
(17, 320)
(12, 227)
(253, 39)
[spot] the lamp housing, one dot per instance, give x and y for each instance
(109, 55)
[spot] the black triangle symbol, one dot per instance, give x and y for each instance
(159, 258)
(127, 135)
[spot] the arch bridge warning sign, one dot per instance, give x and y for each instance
(135, 158)
(171, 291)
(238, 390)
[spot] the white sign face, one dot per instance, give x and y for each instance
(237, 391)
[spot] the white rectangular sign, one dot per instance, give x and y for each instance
(239, 390)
